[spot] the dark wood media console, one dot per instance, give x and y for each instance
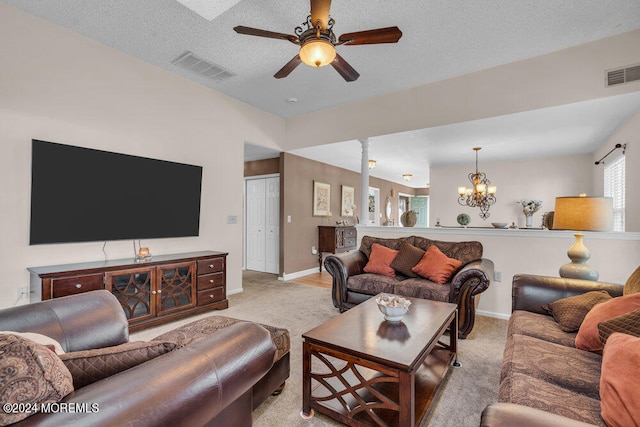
(160, 290)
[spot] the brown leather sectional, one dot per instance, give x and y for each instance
(215, 380)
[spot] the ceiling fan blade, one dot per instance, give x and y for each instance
(320, 13)
(380, 35)
(288, 68)
(344, 69)
(264, 33)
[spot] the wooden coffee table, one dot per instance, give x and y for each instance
(362, 370)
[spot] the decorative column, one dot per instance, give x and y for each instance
(364, 183)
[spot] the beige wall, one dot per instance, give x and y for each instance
(628, 133)
(59, 86)
(296, 183)
(563, 77)
(542, 179)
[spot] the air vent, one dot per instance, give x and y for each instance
(202, 67)
(623, 75)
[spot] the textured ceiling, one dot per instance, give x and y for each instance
(441, 39)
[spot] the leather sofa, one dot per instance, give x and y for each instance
(212, 381)
(352, 285)
(545, 380)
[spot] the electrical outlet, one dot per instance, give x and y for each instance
(497, 276)
(23, 292)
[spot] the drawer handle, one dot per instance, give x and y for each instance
(211, 280)
(78, 285)
(210, 265)
(211, 296)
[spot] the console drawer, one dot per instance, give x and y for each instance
(212, 265)
(211, 295)
(77, 284)
(210, 281)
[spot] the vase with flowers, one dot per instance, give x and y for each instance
(529, 207)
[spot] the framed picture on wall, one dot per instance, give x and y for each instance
(321, 199)
(348, 201)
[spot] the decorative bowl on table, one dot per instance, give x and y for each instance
(499, 224)
(393, 307)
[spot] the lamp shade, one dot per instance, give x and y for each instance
(583, 213)
(317, 53)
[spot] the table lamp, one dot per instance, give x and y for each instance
(582, 214)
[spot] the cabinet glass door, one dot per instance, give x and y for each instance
(134, 288)
(177, 288)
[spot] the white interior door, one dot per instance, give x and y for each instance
(262, 245)
(256, 232)
(272, 221)
(420, 204)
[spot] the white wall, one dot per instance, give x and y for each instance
(614, 255)
(59, 86)
(543, 179)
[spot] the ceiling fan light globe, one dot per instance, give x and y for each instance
(317, 53)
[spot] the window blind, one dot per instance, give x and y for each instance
(614, 177)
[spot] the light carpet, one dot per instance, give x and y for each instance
(299, 308)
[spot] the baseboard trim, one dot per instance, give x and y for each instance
(234, 291)
(493, 314)
(291, 276)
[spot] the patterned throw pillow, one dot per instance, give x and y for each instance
(89, 366)
(46, 341)
(628, 323)
(408, 257)
(30, 373)
(570, 312)
(436, 266)
(380, 260)
(633, 283)
(619, 381)
(588, 337)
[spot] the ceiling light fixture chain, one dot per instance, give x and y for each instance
(481, 194)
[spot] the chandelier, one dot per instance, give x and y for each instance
(480, 194)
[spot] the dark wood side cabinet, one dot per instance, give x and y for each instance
(335, 239)
(163, 289)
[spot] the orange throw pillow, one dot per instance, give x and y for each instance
(380, 260)
(619, 381)
(588, 337)
(436, 266)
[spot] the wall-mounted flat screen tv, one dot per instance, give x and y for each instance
(86, 195)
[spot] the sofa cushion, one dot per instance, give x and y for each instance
(371, 284)
(408, 257)
(436, 266)
(566, 367)
(367, 242)
(44, 340)
(628, 323)
(540, 326)
(570, 312)
(536, 393)
(89, 366)
(380, 260)
(423, 288)
(30, 373)
(633, 283)
(588, 337)
(463, 251)
(619, 380)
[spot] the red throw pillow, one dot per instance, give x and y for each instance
(619, 381)
(588, 337)
(436, 266)
(380, 260)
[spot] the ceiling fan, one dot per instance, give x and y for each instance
(317, 41)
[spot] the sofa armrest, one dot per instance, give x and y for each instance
(471, 280)
(341, 267)
(513, 415)
(78, 322)
(531, 292)
(188, 386)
